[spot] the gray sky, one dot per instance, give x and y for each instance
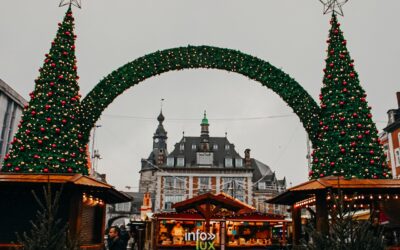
(290, 34)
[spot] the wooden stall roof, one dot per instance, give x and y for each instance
(361, 186)
(105, 191)
(223, 200)
(252, 216)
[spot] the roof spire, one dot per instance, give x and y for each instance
(205, 120)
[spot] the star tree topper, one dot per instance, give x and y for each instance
(76, 3)
(333, 6)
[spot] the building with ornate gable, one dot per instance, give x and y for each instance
(200, 164)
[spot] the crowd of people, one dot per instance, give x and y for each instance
(120, 239)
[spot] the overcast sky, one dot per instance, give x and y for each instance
(290, 34)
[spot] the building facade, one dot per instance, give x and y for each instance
(204, 164)
(390, 139)
(11, 107)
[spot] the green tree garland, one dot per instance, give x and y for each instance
(347, 143)
(48, 139)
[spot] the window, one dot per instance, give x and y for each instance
(238, 162)
(194, 147)
(397, 154)
(123, 207)
(182, 147)
(174, 184)
(171, 199)
(204, 183)
(215, 147)
(227, 147)
(170, 161)
(261, 185)
(228, 162)
(180, 162)
(234, 186)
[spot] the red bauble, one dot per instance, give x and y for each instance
(81, 150)
(359, 136)
(342, 119)
(9, 165)
(42, 129)
(27, 131)
(351, 65)
(341, 103)
(323, 106)
(60, 77)
(65, 53)
(53, 145)
(53, 65)
(371, 162)
(69, 170)
(62, 160)
(22, 148)
(40, 142)
(63, 103)
(310, 173)
(366, 132)
(16, 168)
(359, 125)
(36, 156)
(329, 76)
(48, 119)
(45, 170)
(73, 155)
(355, 115)
(67, 33)
(50, 93)
(58, 130)
(332, 164)
(342, 150)
(353, 144)
(369, 115)
(47, 107)
(80, 136)
(64, 121)
(315, 160)
(342, 132)
(52, 84)
(33, 113)
(344, 90)
(344, 42)
(371, 152)
(321, 175)
(331, 65)
(352, 74)
(344, 83)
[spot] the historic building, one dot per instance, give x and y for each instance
(202, 164)
(390, 139)
(11, 107)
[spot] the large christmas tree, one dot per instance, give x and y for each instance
(348, 143)
(48, 139)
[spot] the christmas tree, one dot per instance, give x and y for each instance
(347, 140)
(48, 139)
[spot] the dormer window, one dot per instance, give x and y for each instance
(261, 185)
(228, 162)
(238, 162)
(215, 147)
(170, 161)
(182, 147)
(194, 146)
(227, 147)
(180, 162)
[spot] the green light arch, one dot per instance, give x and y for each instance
(192, 57)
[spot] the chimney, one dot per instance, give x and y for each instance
(398, 99)
(247, 160)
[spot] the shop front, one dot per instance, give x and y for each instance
(239, 228)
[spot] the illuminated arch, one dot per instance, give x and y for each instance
(189, 57)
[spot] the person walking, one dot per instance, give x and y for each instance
(114, 240)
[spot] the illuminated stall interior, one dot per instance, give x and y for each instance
(378, 196)
(220, 219)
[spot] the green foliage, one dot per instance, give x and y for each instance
(48, 139)
(347, 140)
(48, 232)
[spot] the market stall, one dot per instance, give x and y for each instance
(228, 224)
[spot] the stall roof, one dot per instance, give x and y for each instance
(361, 186)
(223, 200)
(252, 216)
(85, 183)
